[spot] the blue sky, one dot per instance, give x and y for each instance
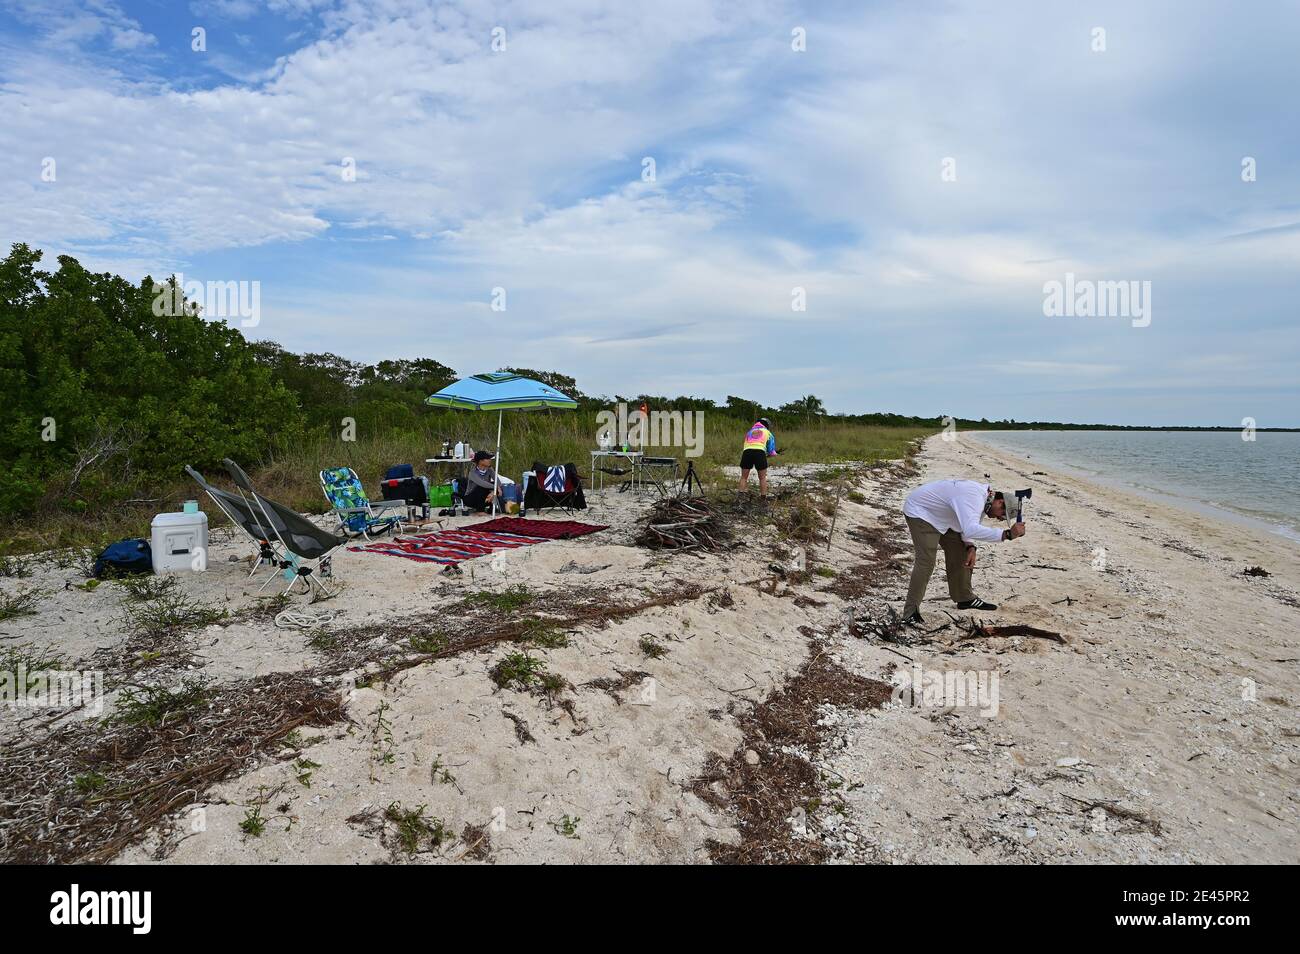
(776, 169)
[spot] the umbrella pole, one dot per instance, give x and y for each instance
(496, 471)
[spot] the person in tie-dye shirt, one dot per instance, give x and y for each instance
(760, 444)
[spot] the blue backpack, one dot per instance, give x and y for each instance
(125, 557)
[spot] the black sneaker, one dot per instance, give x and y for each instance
(914, 619)
(977, 604)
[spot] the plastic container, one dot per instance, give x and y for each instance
(179, 542)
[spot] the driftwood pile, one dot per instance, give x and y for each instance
(684, 523)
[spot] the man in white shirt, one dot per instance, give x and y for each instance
(946, 513)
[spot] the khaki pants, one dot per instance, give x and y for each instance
(926, 541)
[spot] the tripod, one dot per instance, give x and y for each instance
(688, 479)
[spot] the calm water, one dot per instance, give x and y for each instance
(1258, 480)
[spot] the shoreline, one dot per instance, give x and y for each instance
(1105, 483)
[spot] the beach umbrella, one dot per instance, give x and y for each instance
(500, 391)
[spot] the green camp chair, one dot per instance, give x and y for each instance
(358, 516)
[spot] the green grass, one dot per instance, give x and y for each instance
(518, 670)
(506, 601)
(89, 783)
(253, 824)
(567, 826)
(143, 588)
(547, 436)
(21, 603)
(169, 612)
(153, 705)
(428, 642)
(652, 648)
(413, 829)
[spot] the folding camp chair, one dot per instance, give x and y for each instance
(243, 513)
(303, 547)
(558, 486)
(311, 547)
(266, 552)
(657, 472)
(357, 515)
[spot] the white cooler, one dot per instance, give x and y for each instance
(179, 542)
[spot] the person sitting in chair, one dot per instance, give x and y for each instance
(481, 486)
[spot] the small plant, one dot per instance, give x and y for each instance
(826, 571)
(856, 496)
(153, 705)
(37, 664)
(305, 769)
(544, 635)
(567, 826)
(143, 589)
(413, 829)
(652, 648)
(508, 600)
(381, 740)
(90, 585)
(440, 773)
(253, 824)
(89, 783)
(552, 683)
(14, 567)
(430, 643)
(21, 603)
(517, 670)
(169, 613)
(322, 640)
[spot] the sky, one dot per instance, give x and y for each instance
(866, 201)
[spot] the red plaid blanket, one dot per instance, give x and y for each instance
(466, 543)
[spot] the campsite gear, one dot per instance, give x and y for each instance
(124, 558)
(629, 457)
(658, 472)
(604, 442)
(179, 541)
(558, 486)
(1021, 497)
(190, 506)
(446, 448)
(259, 529)
(460, 449)
(310, 548)
(440, 495)
(466, 543)
(691, 477)
(355, 511)
(401, 483)
(500, 391)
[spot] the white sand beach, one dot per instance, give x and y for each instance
(1163, 729)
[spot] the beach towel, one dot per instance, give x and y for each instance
(466, 543)
(548, 529)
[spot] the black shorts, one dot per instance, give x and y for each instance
(753, 459)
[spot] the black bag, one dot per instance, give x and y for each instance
(400, 483)
(124, 558)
